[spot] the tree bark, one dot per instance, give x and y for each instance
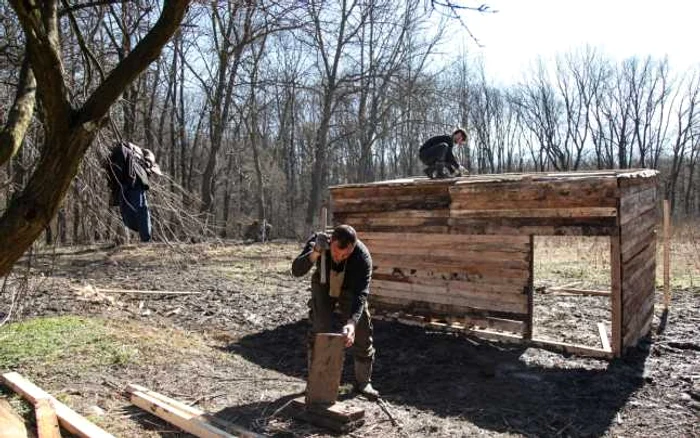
(69, 132)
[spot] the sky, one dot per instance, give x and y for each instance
(522, 30)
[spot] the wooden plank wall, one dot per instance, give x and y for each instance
(474, 280)
(584, 206)
(638, 219)
(461, 249)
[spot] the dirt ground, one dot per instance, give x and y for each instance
(235, 348)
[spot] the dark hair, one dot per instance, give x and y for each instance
(461, 131)
(345, 235)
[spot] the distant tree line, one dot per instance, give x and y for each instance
(254, 109)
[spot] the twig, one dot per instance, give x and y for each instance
(382, 404)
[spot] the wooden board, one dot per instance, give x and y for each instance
(183, 420)
(190, 413)
(68, 418)
(11, 424)
(339, 417)
(46, 420)
(326, 369)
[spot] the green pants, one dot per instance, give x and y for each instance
(321, 310)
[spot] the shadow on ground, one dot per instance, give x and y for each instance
(486, 384)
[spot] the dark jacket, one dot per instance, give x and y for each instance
(358, 273)
(438, 148)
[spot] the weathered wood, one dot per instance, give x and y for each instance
(183, 420)
(326, 368)
(604, 337)
(468, 322)
(580, 350)
(68, 418)
(568, 291)
(428, 275)
(667, 254)
(456, 288)
(505, 268)
(530, 291)
(457, 252)
(638, 225)
(581, 212)
(634, 244)
(340, 411)
(616, 295)
(146, 292)
(520, 243)
(474, 226)
(634, 205)
(389, 304)
(641, 259)
(327, 416)
(423, 267)
(185, 411)
(46, 419)
(11, 424)
(501, 303)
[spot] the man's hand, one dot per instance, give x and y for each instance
(323, 242)
(349, 334)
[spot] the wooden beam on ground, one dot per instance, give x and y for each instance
(46, 419)
(11, 424)
(667, 254)
(68, 418)
(580, 350)
(146, 292)
(340, 417)
(184, 416)
(326, 368)
(566, 291)
(604, 337)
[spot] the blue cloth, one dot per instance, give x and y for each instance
(135, 214)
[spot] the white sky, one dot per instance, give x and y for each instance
(522, 30)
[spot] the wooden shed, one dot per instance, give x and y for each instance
(459, 252)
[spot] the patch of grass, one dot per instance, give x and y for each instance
(43, 341)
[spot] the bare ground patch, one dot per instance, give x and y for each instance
(235, 348)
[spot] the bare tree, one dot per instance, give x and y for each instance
(69, 129)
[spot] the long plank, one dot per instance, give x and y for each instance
(495, 303)
(453, 289)
(455, 239)
(389, 304)
(326, 369)
(46, 419)
(404, 273)
(186, 411)
(11, 424)
(458, 288)
(511, 268)
(474, 226)
(616, 295)
(554, 212)
(68, 418)
(184, 420)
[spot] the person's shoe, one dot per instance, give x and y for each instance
(367, 390)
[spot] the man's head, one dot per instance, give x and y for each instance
(343, 242)
(459, 136)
